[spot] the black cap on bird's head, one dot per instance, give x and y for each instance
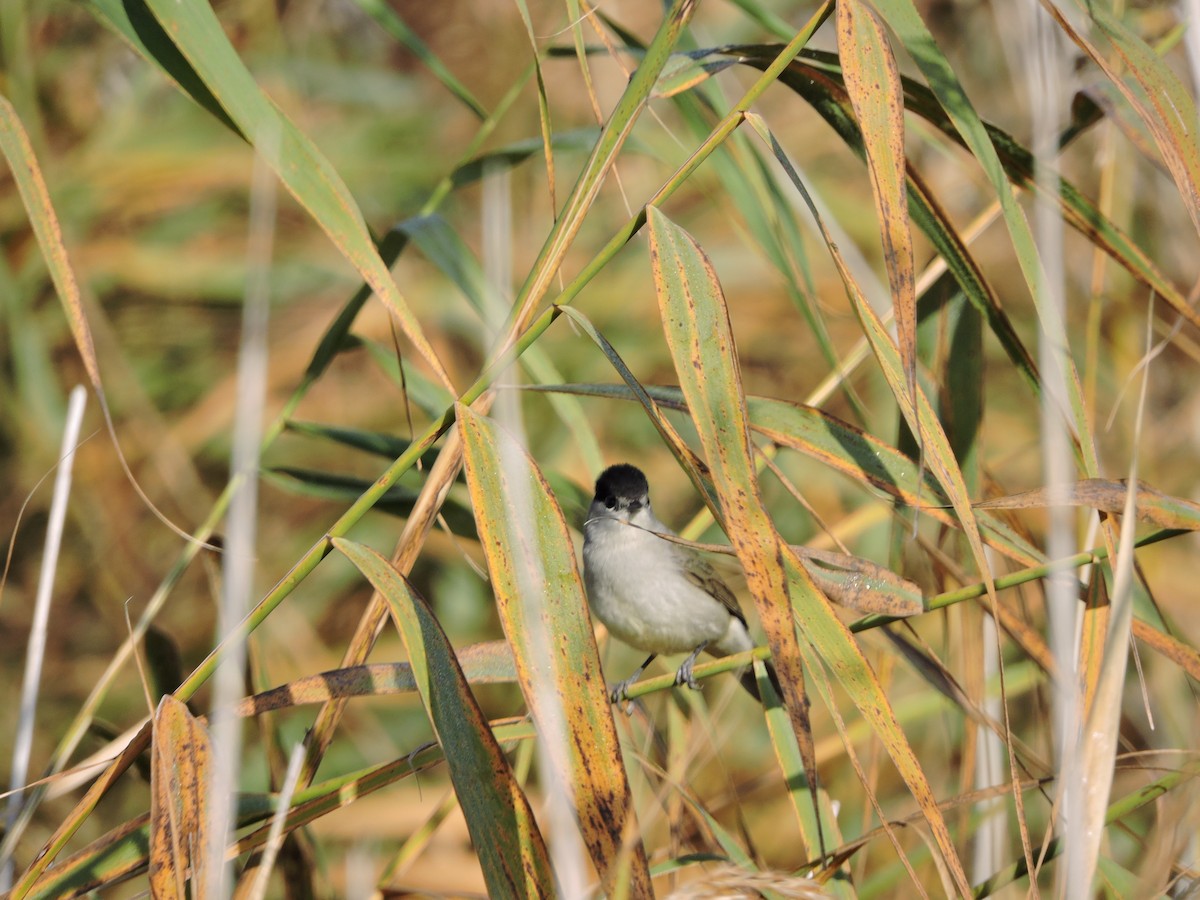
(621, 482)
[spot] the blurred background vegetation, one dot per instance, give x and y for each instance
(153, 193)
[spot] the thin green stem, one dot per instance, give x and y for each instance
(1033, 573)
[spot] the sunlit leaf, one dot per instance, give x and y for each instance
(27, 173)
(696, 322)
(180, 792)
(540, 600)
(873, 82)
(1154, 90)
(1152, 506)
(506, 836)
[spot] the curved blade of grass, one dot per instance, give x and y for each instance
(873, 83)
(511, 851)
(542, 607)
(17, 150)
(1152, 506)
(197, 34)
(391, 22)
(696, 321)
(134, 22)
(817, 76)
(697, 326)
(1156, 93)
(22, 162)
(918, 412)
(180, 785)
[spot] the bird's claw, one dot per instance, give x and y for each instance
(685, 676)
(619, 694)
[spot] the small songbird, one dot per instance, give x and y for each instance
(654, 594)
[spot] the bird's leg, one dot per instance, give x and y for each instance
(620, 691)
(684, 675)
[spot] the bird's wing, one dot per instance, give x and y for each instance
(701, 573)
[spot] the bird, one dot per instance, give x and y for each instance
(654, 594)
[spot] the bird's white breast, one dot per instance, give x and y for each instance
(637, 586)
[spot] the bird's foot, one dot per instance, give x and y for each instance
(684, 675)
(618, 694)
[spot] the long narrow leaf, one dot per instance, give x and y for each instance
(873, 82)
(180, 788)
(1153, 90)
(917, 410)
(22, 162)
(696, 322)
(697, 326)
(542, 607)
(212, 61)
(506, 836)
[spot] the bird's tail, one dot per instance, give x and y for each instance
(750, 683)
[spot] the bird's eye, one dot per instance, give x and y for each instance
(610, 502)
